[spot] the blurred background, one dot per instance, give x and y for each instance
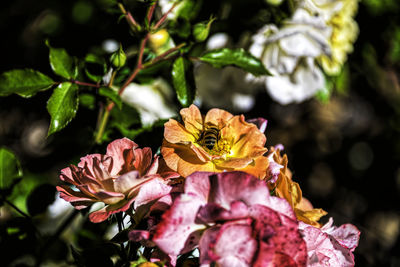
(344, 152)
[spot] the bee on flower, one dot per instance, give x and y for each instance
(216, 142)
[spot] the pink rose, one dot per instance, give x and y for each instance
(330, 245)
(123, 175)
(234, 221)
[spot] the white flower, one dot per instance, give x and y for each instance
(153, 101)
(289, 54)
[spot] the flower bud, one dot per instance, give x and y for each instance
(118, 58)
(160, 41)
(201, 30)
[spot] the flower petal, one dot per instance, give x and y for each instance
(261, 123)
(174, 132)
(177, 233)
(217, 117)
(153, 189)
(121, 150)
(192, 119)
(77, 199)
(104, 213)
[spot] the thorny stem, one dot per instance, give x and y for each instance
(139, 65)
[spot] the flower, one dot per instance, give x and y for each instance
(234, 221)
(340, 16)
(283, 186)
(124, 174)
(216, 142)
(290, 54)
(153, 101)
(330, 245)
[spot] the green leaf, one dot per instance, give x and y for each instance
(237, 57)
(61, 63)
(24, 82)
(95, 67)
(112, 95)
(182, 78)
(62, 106)
(10, 168)
(87, 100)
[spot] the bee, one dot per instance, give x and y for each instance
(209, 137)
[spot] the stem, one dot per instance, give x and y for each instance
(16, 208)
(164, 17)
(163, 55)
(103, 124)
(86, 84)
(151, 12)
(129, 18)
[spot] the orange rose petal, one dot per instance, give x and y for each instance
(201, 153)
(217, 117)
(258, 168)
(178, 157)
(174, 132)
(233, 163)
(310, 216)
(186, 168)
(192, 118)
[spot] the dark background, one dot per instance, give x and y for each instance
(344, 154)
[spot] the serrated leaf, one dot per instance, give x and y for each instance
(62, 106)
(24, 82)
(112, 95)
(182, 78)
(10, 168)
(61, 63)
(237, 57)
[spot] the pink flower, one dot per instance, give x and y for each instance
(234, 221)
(123, 175)
(330, 245)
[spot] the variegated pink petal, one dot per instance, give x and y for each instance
(178, 232)
(121, 150)
(77, 199)
(233, 245)
(152, 190)
(213, 212)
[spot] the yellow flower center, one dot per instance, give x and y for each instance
(210, 139)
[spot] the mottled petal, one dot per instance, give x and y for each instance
(177, 233)
(153, 189)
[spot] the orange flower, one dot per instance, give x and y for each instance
(215, 142)
(284, 187)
